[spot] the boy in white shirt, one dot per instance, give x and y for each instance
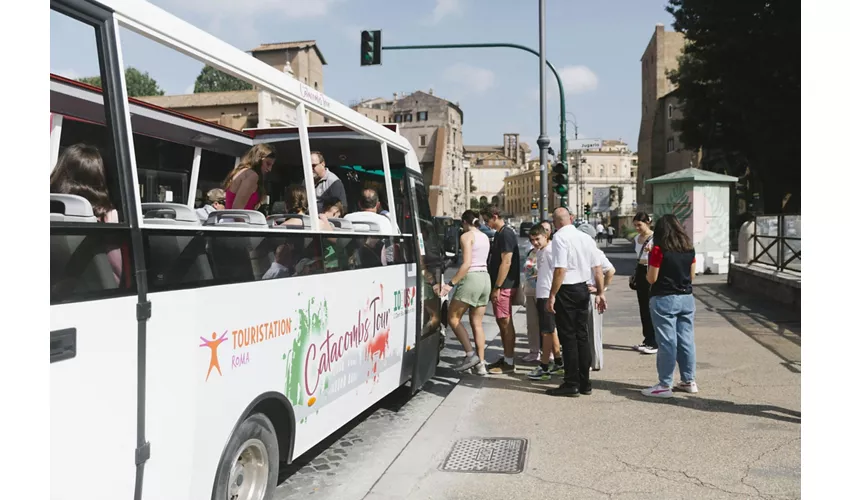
(540, 239)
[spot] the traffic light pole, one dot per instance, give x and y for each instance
(543, 140)
(510, 46)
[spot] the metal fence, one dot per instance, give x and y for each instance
(778, 241)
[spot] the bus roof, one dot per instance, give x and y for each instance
(156, 24)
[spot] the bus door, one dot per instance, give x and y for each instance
(428, 337)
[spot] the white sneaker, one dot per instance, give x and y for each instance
(658, 391)
(480, 369)
(648, 349)
(690, 387)
(638, 347)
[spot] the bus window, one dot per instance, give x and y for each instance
(400, 194)
(89, 243)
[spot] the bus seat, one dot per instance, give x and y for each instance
(236, 218)
(177, 258)
(78, 262)
(344, 224)
(276, 221)
(366, 227)
(70, 208)
(169, 214)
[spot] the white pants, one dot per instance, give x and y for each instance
(594, 332)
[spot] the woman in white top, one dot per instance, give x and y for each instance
(643, 245)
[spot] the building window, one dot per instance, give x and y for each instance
(588, 170)
(669, 111)
(422, 141)
(670, 145)
(614, 170)
(421, 116)
(408, 117)
(316, 85)
(397, 118)
(601, 171)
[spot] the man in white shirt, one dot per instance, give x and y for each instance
(600, 232)
(369, 205)
(575, 260)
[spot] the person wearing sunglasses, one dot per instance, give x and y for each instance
(328, 185)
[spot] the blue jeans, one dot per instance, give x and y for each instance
(673, 319)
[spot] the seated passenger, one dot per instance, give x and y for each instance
(215, 201)
(369, 207)
(282, 266)
(296, 203)
(332, 210)
(80, 171)
(307, 266)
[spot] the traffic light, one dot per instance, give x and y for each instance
(587, 210)
(370, 47)
(559, 180)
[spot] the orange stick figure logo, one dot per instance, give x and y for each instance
(213, 345)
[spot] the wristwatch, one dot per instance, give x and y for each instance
(450, 284)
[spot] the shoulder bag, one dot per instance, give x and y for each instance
(633, 277)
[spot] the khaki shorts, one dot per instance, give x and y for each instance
(473, 289)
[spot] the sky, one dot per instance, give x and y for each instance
(596, 46)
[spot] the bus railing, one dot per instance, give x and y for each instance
(777, 241)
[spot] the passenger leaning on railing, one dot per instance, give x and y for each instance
(80, 171)
(243, 186)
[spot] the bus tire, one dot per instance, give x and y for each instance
(248, 468)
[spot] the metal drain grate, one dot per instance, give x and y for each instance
(492, 455)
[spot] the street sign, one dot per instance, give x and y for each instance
(601, 200)
(583, 144)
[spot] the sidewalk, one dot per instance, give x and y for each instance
(739, 437)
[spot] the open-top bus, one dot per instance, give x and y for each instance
(183, 373)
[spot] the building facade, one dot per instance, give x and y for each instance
(434, 127)
(522, 189)
(490, 166)
(612, 167)
(242, 109)
(659, 148)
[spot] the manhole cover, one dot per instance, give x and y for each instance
(493, 455)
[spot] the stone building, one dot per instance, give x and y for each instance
(434, 127)
(612, 167)
(489, 166)
(523, 188)
(251, 108)
(659, 149)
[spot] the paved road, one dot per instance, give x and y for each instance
(738, 438)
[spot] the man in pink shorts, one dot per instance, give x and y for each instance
(503, 267)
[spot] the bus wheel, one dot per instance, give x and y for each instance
(249, 467)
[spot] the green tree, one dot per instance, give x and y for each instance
(213, 80)
(138, 84)
(739, 86)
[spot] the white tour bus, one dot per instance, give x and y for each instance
(189, 359)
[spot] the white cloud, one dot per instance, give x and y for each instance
(443, 9)
(470, 77)
(578, 79)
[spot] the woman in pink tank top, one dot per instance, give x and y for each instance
(243, 187)
(471, 284)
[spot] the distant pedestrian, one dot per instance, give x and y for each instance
(575, 261)
(611, 231)
(600, 232)
(503, 266)
(672, 266)
(643, 245)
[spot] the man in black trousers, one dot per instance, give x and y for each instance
(575, 261)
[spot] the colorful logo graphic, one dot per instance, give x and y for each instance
(213, 345)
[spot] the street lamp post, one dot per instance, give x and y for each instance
(543, 140)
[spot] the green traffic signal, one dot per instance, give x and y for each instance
(559, 179)
(370, 47)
